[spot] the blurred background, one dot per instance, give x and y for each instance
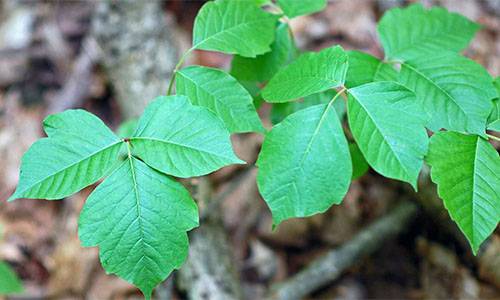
(111, 58)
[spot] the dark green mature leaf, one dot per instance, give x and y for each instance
(359, 164)
(304, 164)
(364, 68)
(408, 33)
(9, 283)
(389, 129)
(310, 73)
(233, 27)
(139, 218)
(294, 8)
(222, 94)
(263, 67)
(280, 111)
(466, 169)
(494, 118)
(80, 149)
(454, 91)
(181, 139)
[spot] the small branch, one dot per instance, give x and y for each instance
(493, 137)
(174, 72)
(330, 266)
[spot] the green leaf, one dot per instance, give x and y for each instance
(9, 283)
(408, 33)
(263, 67)
(139, 217)
(454, 91)
(233, 27)
(310, 73)
(280, 111)
(389, 129)
(364, 68)
(222, 94)
(494, 118)
(180, 139)
(294, 8)
(359, 164)
(466, 169)
(80, 149)
(304, 164)
(127, 128)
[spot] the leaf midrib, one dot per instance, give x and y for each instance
(437, 86)
(179, 145)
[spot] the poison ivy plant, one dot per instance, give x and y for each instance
(139, 215)
(466, 169)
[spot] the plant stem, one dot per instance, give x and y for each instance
(177, 67)
(493, 137)
(341, 92)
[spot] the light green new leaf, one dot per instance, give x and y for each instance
(80, 149)
(139, 217)
(222, 94)
(359, 164)
(9, 283)
(364, 68)
(294, 8)
(310, 73)
(233, 27)
(263, 67)
(408, 33)
(494, 118)
(304, 164)
(181, 139)
(389, 129)
(466, 169)
(280, 111)
(454, 91)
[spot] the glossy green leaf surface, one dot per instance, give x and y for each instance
(411, 32)
(389, 129)
(127, 128)
(310, 73)
(263, 67)
(182, 139)
(234, 27)
(304, 164)
(364, 68)
(466, 169)
(494, 117)
(9, 283)
(280, 111)
(79, 150)
(139, 217)
(359, 164)
(294, 8)
(454, 91)
(220, 93)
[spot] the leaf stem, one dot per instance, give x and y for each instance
(493, 137)
(177, 67)
(341, 92)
